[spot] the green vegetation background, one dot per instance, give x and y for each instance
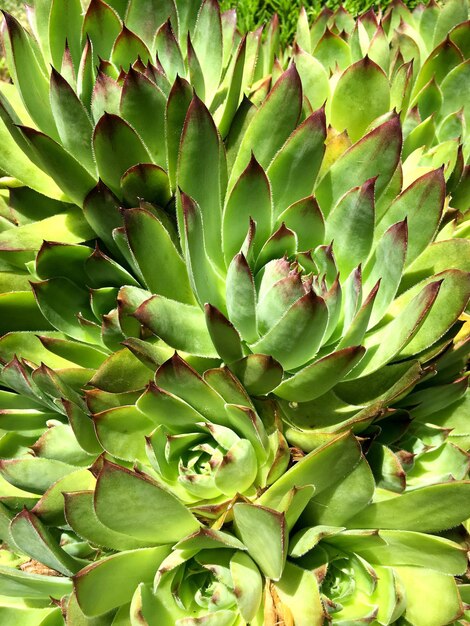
(15, 7)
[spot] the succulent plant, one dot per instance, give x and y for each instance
(357, 559)
(414, 60)
(233, 317)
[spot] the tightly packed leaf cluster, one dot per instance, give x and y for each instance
(254, 13)
(234, 280)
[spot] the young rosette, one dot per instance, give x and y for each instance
(402, 59)
(209, 444)
(370, 552)
(208, 578)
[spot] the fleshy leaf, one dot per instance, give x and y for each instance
(178, 103)
(127, 47)
(117, 436)
(350, 226)
(427, 509)
(431, 600)
(316, 379)
(259, 373)
(250, 198)
(117, 147)
(383, 345)
(201, 171)
(29, 75)
(225, 338)
(146, 180)
(61, 302)
(386, 265)
(422, 204)
(101, 25)
(361, 95)
(73, 123)
(296, 337)
(295, 167)
(305, 219)
(455, 293)
(272, 123)
(181, 326)
(146, 16)
(149, 503)
(403, 547)
(177, 377)
(203, 274)
(298, 590)
(376, 154)
(169, 52)
(143, 106)
(209, 49)
(313, 75)
(248, 583)
(101, 586)
(241, 298)
(322, 467)
(32, 537)
(62, 167)
(159, 261)
(17, 583)
(249, 518)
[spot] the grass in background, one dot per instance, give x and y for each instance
(15, 7)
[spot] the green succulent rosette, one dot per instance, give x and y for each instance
(326, 317)
(342, 362)
(202, 262)
(210, 444)
(88, 80)
(355, 550)
(372, 552)
(327, 324)
(412, 58)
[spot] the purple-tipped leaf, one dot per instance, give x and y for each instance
(305, 219)
(101, 26)
(117, 147)
(143, 106)
(201, 172)
(177, 377)
(162, 267)
(350, 226)
(258, 373)
(250, 198)
(181, 326)
(73, 123)
(316, 379)
(209, 50)
(294, 169)
(145, 17)
(241, 298)
(376, 154)
(422, 204)
(169, 53)
(128, 47)
(272, 124)
(61, 166)
(296, 337)
(225, 338)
